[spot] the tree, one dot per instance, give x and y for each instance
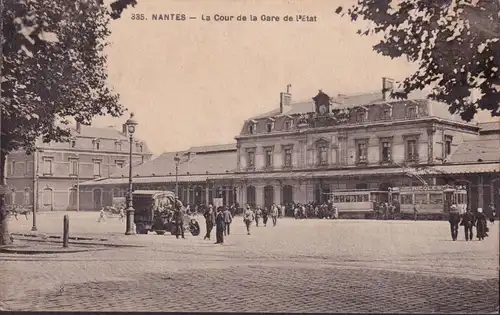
(455, 44)
(54, 69)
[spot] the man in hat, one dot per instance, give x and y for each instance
(179, 221)
(454, 219)
(274, 214)
(228, 219)
(493, 213)
(468, 223)
(209, 221)
(219, 226)
(248, 218)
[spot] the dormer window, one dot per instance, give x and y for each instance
(139, 147)
(386, 112)
(252, 127)
(362, 115)
(289, 123)
(72, 143)
(411, 111)
(269, 126)
(118, 145)
(96, 144)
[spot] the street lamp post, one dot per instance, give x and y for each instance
(36, 169)
(177, 160)
(131, 124)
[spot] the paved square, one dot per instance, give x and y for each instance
(298, 266)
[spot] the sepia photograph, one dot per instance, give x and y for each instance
(252, 156)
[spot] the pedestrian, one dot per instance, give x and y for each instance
(122, 214)
(248, 218)
(481, 224)
(209, 221)
(219, 226)
(265, 216)
(454, 219)
(258, 215)
(493, 213)
(335, 212)
(467, 223)
(274, 214)
(386, 209)
(415, 212)
(102, 215)
(179, 221)
(228, 219)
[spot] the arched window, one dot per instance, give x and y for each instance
(252, 127)
(411, 111)
(251, 195)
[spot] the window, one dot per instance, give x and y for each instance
(411, 150)
(97, 168)
(72, 143)
(387, 113)
(436, 199)
(411, 112)
(73, 166)
(362, 151)
(252, 128)
(288, 124)
(269, 126)
(360, 116)
(447, 145)
(139, 147)
(269, 157)
(73, 196)
(47, 166)
(27, 196)
(251, 159)
(13, 168)
(287, 157)
(421, 199)
(119, 164)
(386, 150)
(97, 144)
(406, 199)
(118, 146)
(322, 155)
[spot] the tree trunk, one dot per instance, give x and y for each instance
(4, 230)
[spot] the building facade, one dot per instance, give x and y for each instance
(302, 151)
(50, 177)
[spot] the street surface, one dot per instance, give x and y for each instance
(299, 266)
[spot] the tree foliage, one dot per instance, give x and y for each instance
(54, 68)
(455, 44)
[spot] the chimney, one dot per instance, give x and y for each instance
(78, 127)
(285, 99)
(125, 129)
(387, 87)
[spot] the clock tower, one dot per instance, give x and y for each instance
(322, 103)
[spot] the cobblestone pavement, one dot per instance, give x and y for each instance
(298, 266)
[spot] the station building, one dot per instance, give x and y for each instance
(302, 151)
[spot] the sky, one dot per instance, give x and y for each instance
(194, 82)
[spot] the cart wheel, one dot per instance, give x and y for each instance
(160, 232)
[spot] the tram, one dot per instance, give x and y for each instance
(430, 200)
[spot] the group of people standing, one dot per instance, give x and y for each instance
(221, 219)
(468, 220)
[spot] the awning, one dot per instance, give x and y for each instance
(468, 168)
(146, 180)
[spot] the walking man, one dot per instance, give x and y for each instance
(493, 213)
(265, 216)
(258, 214)
(179, 222)
(415, 212)
(481, 224)
(468, 223)
(219, 226)
(102, 215)
(454, 219)
(228, 219)
(248, 218)
(122, 214)
(274, 214)
(209, 221)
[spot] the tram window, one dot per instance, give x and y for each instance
(335, 199)
(359, 198)
(406, 199)
(341, 198)
(421, 199)
(436, 199)
(365, 198)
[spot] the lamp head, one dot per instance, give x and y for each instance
(131, 123)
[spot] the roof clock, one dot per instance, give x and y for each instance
(322, 103)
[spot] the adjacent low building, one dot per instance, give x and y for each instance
(302, 151)
(50, 177)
